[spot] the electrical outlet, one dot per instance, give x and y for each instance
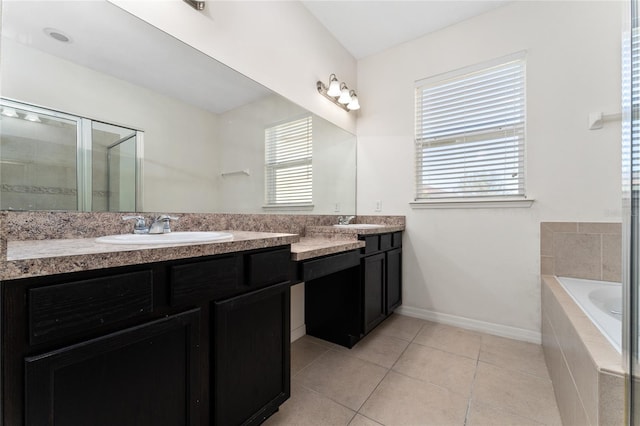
(336, 207)
(378, 206)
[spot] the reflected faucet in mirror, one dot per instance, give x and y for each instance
(344, 220)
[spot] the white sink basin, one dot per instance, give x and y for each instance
(170, 238)
(359, 226)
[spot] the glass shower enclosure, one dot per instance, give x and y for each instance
(51, 160)
(631, 209)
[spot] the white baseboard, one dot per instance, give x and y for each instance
(297, 333)
(471, 324)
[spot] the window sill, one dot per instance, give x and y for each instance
(296, 207)
(472, 204)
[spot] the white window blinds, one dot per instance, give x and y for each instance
(288, 166)
(470, 130)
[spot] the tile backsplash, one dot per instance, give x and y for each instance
(589, 250)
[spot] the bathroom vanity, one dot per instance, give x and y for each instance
(186, 334)
(193, 341)
(349, 294)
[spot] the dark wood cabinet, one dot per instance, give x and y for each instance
(373, 291)
(198, 341)
(348, 294)
(394, 279)
(251, 355)
(381, 277)
(140, 376)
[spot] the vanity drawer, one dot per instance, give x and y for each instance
(372, 243)
(386, 241)
(75, 307)
(396, 240)
(313, 269)
(205, 280)
(268, 267)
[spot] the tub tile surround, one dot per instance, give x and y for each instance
(43, 243)
(585, 369)
(581, 250)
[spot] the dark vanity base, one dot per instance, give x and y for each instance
(332, 309)
(348, 295)
(198, 341)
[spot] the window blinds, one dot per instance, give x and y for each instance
(470, 131)
(288, 166)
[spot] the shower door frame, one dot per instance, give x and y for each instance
(84, 143)
(631, 209)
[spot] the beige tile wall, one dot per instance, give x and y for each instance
(581, 250)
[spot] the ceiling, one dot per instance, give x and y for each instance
(367, 27)
(107, 39)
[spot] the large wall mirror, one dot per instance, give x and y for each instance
(101, 111)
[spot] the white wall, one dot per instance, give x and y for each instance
(480, 267)
(276, 43)
(179, 146)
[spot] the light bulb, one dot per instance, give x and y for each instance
(334, 86)
(354, 104)
(32, 117)
(344, 98)
(9, 112)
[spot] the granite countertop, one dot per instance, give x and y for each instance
(324, 240)
(49, 242)
(47, 257)
(310, 247)
(336, 231)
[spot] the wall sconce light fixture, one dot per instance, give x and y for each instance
(339, 94)
(197, 5)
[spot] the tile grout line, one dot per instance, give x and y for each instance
(473, 382)
(312, 362)
(329, 349)
(601, 256)
(386, 374)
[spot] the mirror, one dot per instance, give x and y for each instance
(201, 126)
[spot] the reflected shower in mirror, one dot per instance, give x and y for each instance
(202, 121)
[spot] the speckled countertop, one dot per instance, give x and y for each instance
(353, 232)
(310, 247)
(46, 243)
(48, 257)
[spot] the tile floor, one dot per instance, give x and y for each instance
(414, 372)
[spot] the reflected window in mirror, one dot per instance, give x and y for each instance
(288, 163)
(50, 160)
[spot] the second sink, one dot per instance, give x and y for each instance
(170, 238)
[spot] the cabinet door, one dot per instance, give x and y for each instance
(251, 355)
(373, 279)
(145, 375)
(394, 279)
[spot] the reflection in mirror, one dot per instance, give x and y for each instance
(55, 161)
(202, 121)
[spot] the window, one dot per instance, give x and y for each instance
(470, 133)
(288, 168)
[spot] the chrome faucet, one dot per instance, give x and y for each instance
(140, 227)
(344, 220)
(161, 224)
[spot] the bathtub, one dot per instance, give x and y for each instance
(601, 301)
(581, 334)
